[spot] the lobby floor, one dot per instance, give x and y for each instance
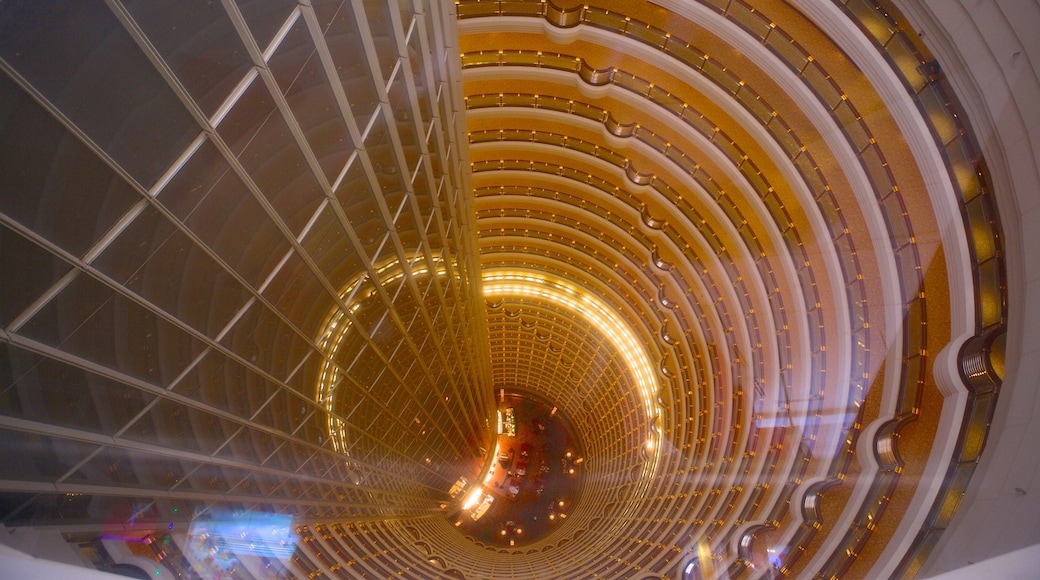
(535, 478)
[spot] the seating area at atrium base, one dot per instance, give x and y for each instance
(534, 480)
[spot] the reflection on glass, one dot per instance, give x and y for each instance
(218, 540)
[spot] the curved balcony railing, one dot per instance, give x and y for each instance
(981, 358)
(967, 169)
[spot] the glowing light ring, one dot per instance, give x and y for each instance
(495, 284)
(334, 332)
(517, 283)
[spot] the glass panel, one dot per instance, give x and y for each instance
(89, 320)
(728, 147)
(362, 210)
(380, 148)
(849, 264)
(298, 294)
(604, 19)
(177, 276)
(896, 219)
(231, 221)
(265, 18)
(382, 26)
(821, 84)
(199, 43)
(199, 174)
(408, 227)
(785, 48)
(261, 338)
(326, 10)
(345, 45)
(247, 116)
(292, 54)
(746, 16)
(139, 241)
(319, 116)
(173, 424)
(813, 178)
(209, 478)
(28, 271)
(314, 429)
(909, 272)
(328, 245)
(47, 167)
(249, 445)
(877, 170)
(982, 227)
(282, 412)
(112, 466)
(83, 60)
(902, 52)
(33, 457)
(722, 77)
(828, 206)
(755, 104)
(227, 385)
(850, 121)
(41, 389)
(278, 168)
(138, 470)
(991, 281)
(404, 122)
(777, 211)
(936, 105)
(647, 34)
(422, 85)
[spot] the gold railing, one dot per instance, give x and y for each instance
(967, 169)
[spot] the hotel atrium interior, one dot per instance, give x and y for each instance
(680, 289)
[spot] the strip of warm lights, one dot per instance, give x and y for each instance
(503, 283)
(496, 283)
(334, 332)
(506, 283)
